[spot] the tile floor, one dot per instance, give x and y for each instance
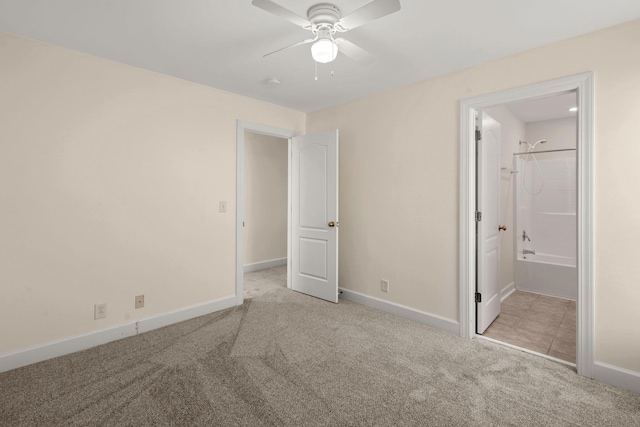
(539, 323)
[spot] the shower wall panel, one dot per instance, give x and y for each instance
(546, 199)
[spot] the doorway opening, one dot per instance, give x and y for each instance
(312, 211)
(265, 201)
(265, 144)
(580, 86)
(535, 186)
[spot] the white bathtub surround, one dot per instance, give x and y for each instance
(547, 276)
(546, 203)
(546, 224)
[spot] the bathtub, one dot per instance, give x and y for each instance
(546, 274)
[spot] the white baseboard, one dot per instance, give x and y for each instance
(507, 290)
(425, 318)
(265, 264)
(82, 342)
(616, 376)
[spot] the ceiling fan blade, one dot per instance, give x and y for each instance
(290, 46)
(354, 52)
(282, 12)
(369, 12)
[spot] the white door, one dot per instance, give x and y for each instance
(314, 215)
(488, 236)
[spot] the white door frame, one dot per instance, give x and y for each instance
(583, 84)
(241, 127)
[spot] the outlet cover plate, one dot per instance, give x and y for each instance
(100, 311)
(384, 285)
(139, 301)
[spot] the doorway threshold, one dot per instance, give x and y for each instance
(526, 350)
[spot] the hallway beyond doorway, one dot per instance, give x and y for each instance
(262, 281)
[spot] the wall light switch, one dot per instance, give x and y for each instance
(223, 206)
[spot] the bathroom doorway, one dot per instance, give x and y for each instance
(581, 312)
(536, 188)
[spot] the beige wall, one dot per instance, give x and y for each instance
(266, 168)
(399, 188)
(513, 130)
(110, 178)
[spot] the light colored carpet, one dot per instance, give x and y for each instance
(264, 281)
(286, 359)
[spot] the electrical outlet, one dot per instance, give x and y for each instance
(139, 301)
(223, 206)
(100, 311)
(384, 285)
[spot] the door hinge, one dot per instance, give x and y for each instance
(478, 135)
(478, 297)
(478, 216)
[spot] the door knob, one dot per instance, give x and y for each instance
(502, 227)
(332, 224)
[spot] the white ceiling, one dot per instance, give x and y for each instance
(547, 108)
(220, 43)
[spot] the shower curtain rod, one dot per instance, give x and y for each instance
(545, 151)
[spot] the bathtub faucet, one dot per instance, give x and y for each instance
(528, 251)
(525, 236)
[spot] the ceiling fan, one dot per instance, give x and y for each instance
(324, 20)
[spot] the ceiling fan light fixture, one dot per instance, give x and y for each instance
(324, 50)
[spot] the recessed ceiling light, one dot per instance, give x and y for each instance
(573, 109)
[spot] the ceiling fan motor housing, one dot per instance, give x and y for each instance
(323, 14)
(324, 20)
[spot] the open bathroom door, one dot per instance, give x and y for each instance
(488, 235)
(314, 215)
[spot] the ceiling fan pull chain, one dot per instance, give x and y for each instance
(316, 70)
(333, 47)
